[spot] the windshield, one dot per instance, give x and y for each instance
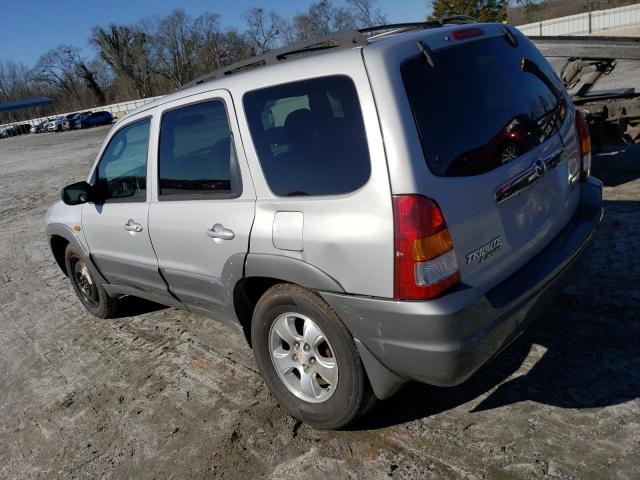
(477, 108)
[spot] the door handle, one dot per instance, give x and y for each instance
(218, 231)
(531, 175)
(132, 226)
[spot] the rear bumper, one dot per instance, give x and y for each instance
(444, 341)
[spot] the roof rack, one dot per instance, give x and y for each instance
(401, 27)
(347, 38)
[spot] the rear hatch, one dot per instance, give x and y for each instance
(496, 130)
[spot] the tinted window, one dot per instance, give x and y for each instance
(477, 108)
(196, 153)
(122, 171)
(310, 136)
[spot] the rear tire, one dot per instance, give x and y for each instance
(297, 341)
(92, 295)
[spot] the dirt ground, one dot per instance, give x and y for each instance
(167, 394)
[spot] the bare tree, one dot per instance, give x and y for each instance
(322, 18)
(211, 41)
(15, 81)
(216, 47)
(366, 14)
(58, 68)
(159, 54)
(125, 49)
(174, 48)
(236, 46)
(264, 30)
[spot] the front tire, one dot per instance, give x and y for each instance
(92, 295)
(308, 358)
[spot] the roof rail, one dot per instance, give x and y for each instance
(346, 38)
(452, 19)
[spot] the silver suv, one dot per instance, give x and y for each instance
(365, 209)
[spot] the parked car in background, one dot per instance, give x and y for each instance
(9, 131)
(72, 117)
(57, 123)
(312, 205)
(14, 130)
(40, 127)
(23, 128)
(74, 122)
(93, 120)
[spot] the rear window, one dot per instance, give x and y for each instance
(476, 109)
(309, 136)
(196, 155)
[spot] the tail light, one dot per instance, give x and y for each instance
(424, 261)
(584, 143)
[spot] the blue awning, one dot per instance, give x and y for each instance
(25, 103)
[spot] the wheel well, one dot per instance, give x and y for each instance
(58, 247)
(245, 297)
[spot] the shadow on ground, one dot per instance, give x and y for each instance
(132, 306)
(617, 165)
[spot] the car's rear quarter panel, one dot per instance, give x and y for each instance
(349, 237)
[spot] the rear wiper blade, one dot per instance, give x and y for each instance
(529, 66)
(426, 53)
(509, 36)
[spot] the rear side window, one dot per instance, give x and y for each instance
(310, 136)
(196, 156)
(477, 109)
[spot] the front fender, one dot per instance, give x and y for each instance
(62, 230)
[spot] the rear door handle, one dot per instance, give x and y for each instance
(218, 231)
(132, 226)
(531, 175)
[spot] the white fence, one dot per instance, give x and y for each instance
(585, 23)
(116, 109)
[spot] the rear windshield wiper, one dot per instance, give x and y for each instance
(426, 53)
(532, 67)
(529, 66)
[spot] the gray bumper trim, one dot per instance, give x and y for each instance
(444, 341)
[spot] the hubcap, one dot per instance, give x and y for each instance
(85, 283)
(303, 357)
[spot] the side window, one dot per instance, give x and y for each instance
(122, 172)
(310, 136)
(196, 156)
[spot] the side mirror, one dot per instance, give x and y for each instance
(76, 193)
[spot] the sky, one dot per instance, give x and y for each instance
(28, 28)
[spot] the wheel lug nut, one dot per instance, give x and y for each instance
(312, 361)
(296, 345)
(295, 357)
(306, 347)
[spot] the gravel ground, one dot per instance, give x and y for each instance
(167, 394)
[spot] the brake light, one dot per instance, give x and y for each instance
(424, 261)
(584, 145)
(465, 33)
